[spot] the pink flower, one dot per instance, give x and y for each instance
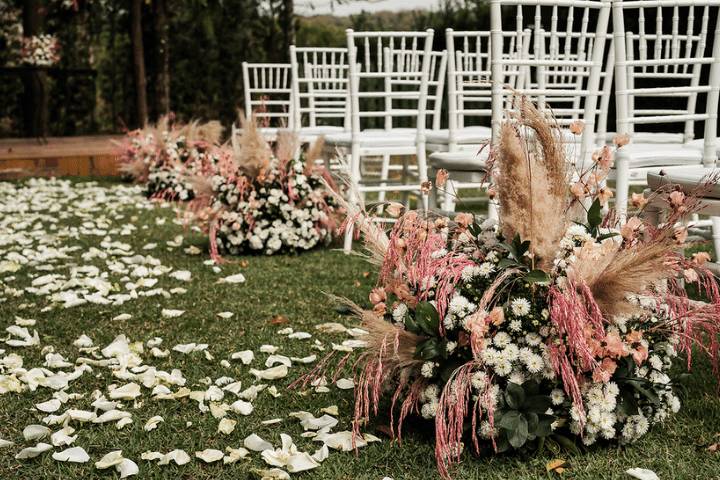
(605, 159)
(700, 258)
(604, 194)
(577, 127)
(578, 189)
(441, 177)
(621, 140)
(690, 275)
(630, 228)
(497, 316)
(464, 219)
(681, 234)
(604, 371)
(395, 209)
(378, 295)
(638, 200)
(677, 198)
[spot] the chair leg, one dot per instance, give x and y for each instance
(353, 195)
(493, 210)
(622, 186)
(448, 204)
(716, 235)
(384, 173)
(422, 171)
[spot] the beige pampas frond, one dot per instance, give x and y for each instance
(210, 132)
(251, 152)
(313, 153)
(286, 146)
(632, 271)
(397, 343)
(532, 184)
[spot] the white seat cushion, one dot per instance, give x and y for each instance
(475, 134)
(699, 144)
(688, 179)
(375, 138)
(658, 155)
(650, 137)
(464, 160)
(320, 130)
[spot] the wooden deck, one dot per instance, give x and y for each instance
(60, 156)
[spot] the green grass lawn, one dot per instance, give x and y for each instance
(293, 287)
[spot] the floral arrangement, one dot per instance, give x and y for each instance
(163, 155)
(265, 201)
(555, 324)
(40, 50)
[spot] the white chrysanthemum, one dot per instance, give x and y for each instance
(557, 396)
(431, 392)
(517, 377)
(470, 272)
(535, 364)
(502, 339)
(399, 313)
(478, 381)
(520, 307)
(515, 326)
(533, 339)
(655, 362)
(503, 368)
(511, 352)
(427, 369)
(429, 410)
(485, 269)
(611, 388)
(450, 346)
(459, 304)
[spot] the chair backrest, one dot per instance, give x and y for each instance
(660, 72)
(320, 86)
(565, 59)
(268, 93)
(389, 78)
(469, 87)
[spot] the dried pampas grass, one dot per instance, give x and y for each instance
(531, 183)
(251, 152)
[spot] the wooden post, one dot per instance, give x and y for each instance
(162, 55)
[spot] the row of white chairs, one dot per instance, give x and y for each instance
(382, 96)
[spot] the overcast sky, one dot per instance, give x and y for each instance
(321, 7)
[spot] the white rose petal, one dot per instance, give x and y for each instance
(152, 423)
(50, 406)
(170, 313)
(345, 383)
(273, 373)
(32, 452)
(127, 392)
(246, 356)
(225, 315)
(109, 460)
(72, 454)
(35, 432)
(237, 278)
(182, 275)
(256, 444)
(210, 455)
(226, 426)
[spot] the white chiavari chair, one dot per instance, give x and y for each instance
(661, 78)
(268, 96)
(321, 101)
(389, 74)
(456, 149)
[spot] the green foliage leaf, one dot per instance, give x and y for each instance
(594, 215)
(518, 436)
(427, 318)
(514, 396)
(537, 403)
(537, 276)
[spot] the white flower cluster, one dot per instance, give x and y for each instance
(605, 420)
(40, 50)
(289, 214)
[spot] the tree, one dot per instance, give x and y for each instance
(138, 61)
(162, 57)
(35, 81)
(287, 24)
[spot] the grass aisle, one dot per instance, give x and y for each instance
(290, 290)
